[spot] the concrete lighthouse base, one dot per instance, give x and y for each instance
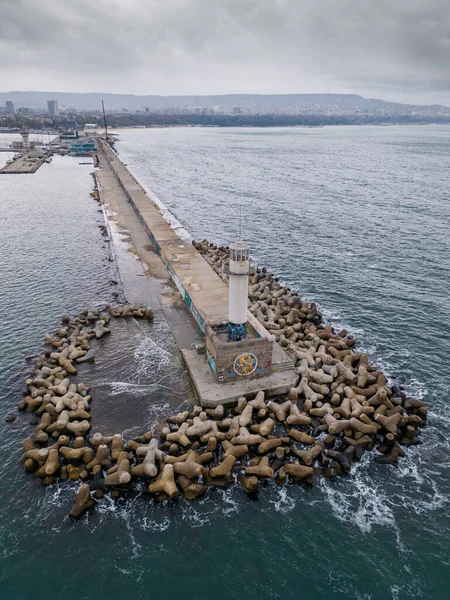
(210, 393)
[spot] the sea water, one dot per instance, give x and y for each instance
(354, 218)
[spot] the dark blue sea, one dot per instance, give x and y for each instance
(354, 218)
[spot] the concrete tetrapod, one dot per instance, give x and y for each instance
(83, 501)
(262, 469)
(120, 477)
(224, 468)
(100, 330)
(51, 465)
(280, 410)
(189, 469)
(309, 456)
(302, 438)
(358, 425)
(199, 427)
(249, 484)
(179, 418)
(246, 416)
(340, 396)
(151, 453)
(298, 472)
(79, 427)
(268, 445)
(295, 417)
(236, 451)
(266, 427)
(180, 436)
(102, 458)
(191, 489)
(165, 483)
(258, 402)
(389, 423)
(117, 446)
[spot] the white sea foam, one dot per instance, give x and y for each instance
(229, 504)
(191, 513)
(148, 524)
(56, 495)
(282, 499)
(436, 500)
(359, 500)
(395, 591)
(132, 389)
(149, 355)
(408, 469)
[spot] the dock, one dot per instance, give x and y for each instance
(204, 293)
(27, 163)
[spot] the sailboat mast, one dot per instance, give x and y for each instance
(104, 121)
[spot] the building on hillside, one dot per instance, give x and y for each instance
(9, 107)
(52, 106)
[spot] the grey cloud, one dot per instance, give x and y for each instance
(218, 46)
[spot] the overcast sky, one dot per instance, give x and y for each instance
(390, 49)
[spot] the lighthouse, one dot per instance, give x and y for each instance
(25, 139)
(239, 269)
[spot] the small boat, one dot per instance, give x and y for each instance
(48, 160)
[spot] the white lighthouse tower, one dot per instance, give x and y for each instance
(25, 139)
(239, 269)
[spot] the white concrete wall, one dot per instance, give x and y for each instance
(238, 292)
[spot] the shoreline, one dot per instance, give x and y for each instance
(278, 126)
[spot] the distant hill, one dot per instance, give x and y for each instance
(347, 103)
(93, 101)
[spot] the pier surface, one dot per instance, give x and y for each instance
(200, 286)
(145, 279)
(160, 249)
(24, 164)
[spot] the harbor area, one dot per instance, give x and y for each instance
(31, 154)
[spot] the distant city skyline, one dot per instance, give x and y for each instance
(283, 104)
(396, 51)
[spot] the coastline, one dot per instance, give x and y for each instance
(118, 128)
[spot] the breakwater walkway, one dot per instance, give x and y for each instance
(142, 274)
(204, 293)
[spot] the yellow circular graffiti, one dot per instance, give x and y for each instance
(245, 364)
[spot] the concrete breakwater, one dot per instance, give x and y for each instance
(340, 408)
(206, 297)
(346, 398)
